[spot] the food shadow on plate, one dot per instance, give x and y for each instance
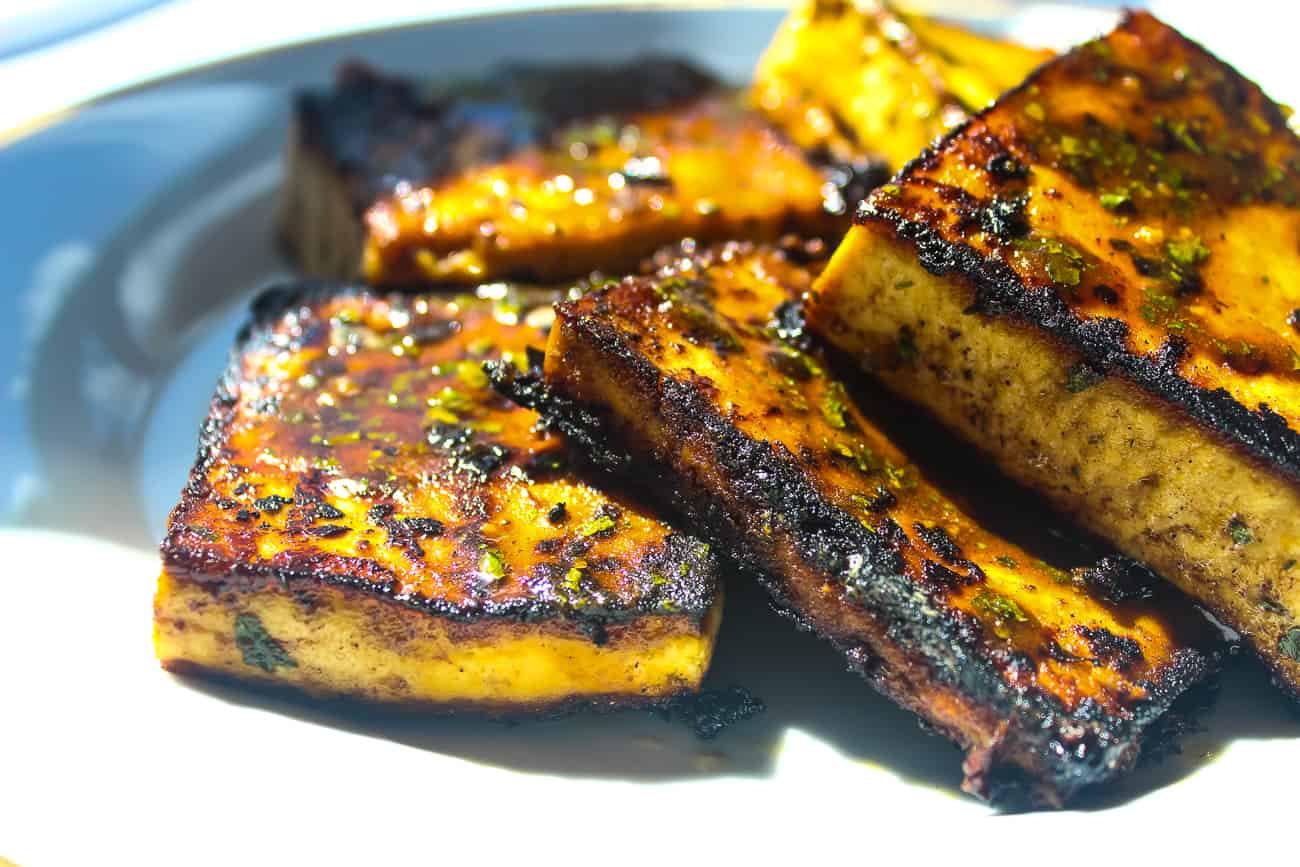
(801, 679)
(1247, 706)
(805, 686)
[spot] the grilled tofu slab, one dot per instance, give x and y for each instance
(1098, 282)
(368, 518)
(1049, 680)
(860, 81)
(540, 173)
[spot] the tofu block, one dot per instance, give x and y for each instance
(1050, 680)
(1097, 281)
(860, 81)
(541, 173)
(368, 518)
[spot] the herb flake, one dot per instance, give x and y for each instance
(835, 406)
(491, 566)
(1080, 377)
(601, 524)
(1289, 644)
(257, 646)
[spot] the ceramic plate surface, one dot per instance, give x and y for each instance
(136, 230)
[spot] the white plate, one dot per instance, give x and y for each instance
(135, 231)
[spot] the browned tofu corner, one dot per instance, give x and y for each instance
(1098, 282)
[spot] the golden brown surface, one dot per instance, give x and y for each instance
(858, 79)
(401, 532)
(602, 195)
(768, 451)
(1122, 235)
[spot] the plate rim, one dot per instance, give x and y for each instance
(27, 127)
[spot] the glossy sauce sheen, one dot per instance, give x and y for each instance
(861, 81)
(358, 440)
(553, 173)
(850, 531)
(618, 189)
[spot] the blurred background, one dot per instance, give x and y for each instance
(80, 49)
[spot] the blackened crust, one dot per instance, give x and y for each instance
(895, 633)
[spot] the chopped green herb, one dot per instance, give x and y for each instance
(491, 565)
(573, 579)
(1289, 644)
(1063, 271)
(601, 524)
(1003, 610)
(1062, 263)
(1239, 532)
(904, 284)
(863, 503)
(1060, 576)
(1081, 377)
(1187, 252)
(1115, 201)
(1181, 133)
(1158, 305)
(862, 456)
(1005, 561)
(897, 476)
(906, 345)
(257, 646)
(1288, 565)
(1272, 606)
(835, 406)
